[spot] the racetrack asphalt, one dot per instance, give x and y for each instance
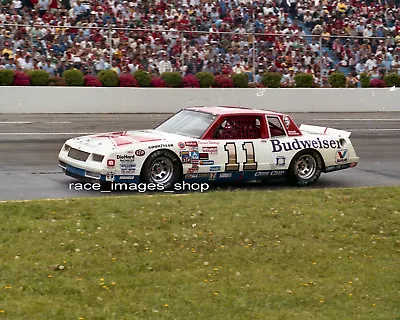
(29, 146)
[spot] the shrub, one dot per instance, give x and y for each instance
(206, 79)
(271, 79)
(74, 78)
(377, 83)
(21, 79)
(392, 79)
(109, 78)
(143, 77)
(92, 81)
(223, 81)
(172, 79)
(256, 85)
(364, 80)
(128, 80)
(240, 80)
(190, 81)
(157, 82)
(304, 80)
(39, 77)
(337, 80)
(6, 77)
(57, 81)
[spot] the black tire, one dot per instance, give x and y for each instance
(162, 168)
(305, 168)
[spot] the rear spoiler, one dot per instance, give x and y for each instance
(324, 130)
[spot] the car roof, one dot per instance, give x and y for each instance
(233, 110)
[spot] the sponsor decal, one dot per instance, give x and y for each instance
(192, 170)
(215, 168)
(207, 162)
(262, 174)
(203, 175)
(110, 163)
(191, 175)
(278, 146)
(191, 143)
(213, 175)
(211, 150)
(128, 168)
(286, 120)
(278, 173)
(181, 145)
(195, 161)
(125, 157)
(194, 155)
(127, 177)
(269, 173)
(110, 176)
(140, 152)
(159, 146)
(342, 156)
(185, 157)
(203, 156)
(294, 133)
(225, 175)
(280, 161)
(210, 142)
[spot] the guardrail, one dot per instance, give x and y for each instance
(169, 100)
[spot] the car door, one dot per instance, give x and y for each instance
(238, 149)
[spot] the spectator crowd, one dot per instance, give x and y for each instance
(189, 36)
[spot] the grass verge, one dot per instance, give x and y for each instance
(291, 254)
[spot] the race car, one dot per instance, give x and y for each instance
(211, 144)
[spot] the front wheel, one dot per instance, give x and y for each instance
(162, 168)
(305, 168)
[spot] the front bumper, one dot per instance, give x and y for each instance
(90, 176)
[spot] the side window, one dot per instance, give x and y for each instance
(239, 128)
(275, 127)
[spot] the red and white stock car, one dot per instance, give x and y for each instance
(200, 144)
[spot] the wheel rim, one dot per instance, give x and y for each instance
(306, 166)
(162, 170)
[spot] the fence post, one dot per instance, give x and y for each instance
(321, 81)
(110, 43)
(254, 55)
(182, 56)
(386, 56)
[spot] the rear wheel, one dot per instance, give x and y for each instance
(162, 168)
(305, 168)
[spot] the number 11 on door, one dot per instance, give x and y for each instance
(233, 164)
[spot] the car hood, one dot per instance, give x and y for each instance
(120, 140)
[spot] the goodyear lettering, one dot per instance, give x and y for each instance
(278, 146)
(159, 146)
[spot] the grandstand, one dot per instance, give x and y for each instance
(228, 36)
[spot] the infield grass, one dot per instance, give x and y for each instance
(248, 255)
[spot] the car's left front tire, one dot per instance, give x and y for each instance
(162, 168)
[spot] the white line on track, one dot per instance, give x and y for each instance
(15, 122)
(361, 119)
(30, 122)
(42, 133)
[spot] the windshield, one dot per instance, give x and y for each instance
(188, 123)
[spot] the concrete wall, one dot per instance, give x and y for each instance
(167, 100)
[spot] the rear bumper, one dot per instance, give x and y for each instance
(352, 164)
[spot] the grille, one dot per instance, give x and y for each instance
(78, 155)
(97, 157)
